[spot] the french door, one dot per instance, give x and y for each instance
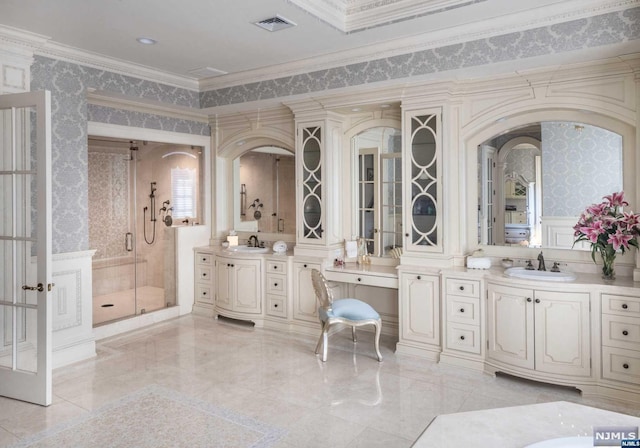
(25, 247)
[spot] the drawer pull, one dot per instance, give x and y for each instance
(419, 277)
(625, 333)
(359, 279)
(462, 288)
(537, 300)
(275, 305)
(462, 310)
(204, 274)
(625, 365)
(304, 265)
(204, 259)
(462, 338)
(529, 299)
(625, 306)
(204, 293)
(275, 267)
(275, 284)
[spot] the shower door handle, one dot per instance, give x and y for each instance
(128, 241)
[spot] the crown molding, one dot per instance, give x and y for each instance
(563, 12)
(100, 98)
(95, 60)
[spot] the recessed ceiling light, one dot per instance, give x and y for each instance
(385, 106)
(241, 142)
(146, 40)
(356, 109)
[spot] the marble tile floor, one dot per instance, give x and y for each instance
(272, 378)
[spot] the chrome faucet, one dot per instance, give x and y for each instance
(253, 241)
(541, 266)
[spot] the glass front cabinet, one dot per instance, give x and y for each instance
(318, 181)
(423, 180)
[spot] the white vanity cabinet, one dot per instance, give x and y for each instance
(540, 334)
(621, 338)
(204, 281)
(238, 287)
(419, 310)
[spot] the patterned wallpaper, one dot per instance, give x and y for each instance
(68, 84)
(579, 34)
(579, 167)
(522, 161)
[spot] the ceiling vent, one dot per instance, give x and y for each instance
(276, 23)
(206, 72)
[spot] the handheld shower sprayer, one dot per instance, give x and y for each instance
(152, 214)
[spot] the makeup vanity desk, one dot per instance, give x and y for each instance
(369, 275)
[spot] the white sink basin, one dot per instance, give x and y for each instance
(248, 250)
(549, 276)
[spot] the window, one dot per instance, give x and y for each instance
(184, 193)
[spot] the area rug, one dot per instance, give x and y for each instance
(158, 417)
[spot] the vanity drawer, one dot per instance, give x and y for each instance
(621, 331)
(276, 306)
(621, 305)
(464, 338)
(277, 267)
(203, 273)
(362, 279)
(276, 284)
(203, 293)
(621, 365)
(466, 288)
(463, 310)
(204, 259)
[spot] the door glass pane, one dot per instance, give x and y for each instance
(18, 218)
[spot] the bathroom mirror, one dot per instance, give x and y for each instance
(534, 181)
(264, 191)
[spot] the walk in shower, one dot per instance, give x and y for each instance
(138, 193)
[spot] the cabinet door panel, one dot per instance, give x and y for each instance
(305, 305)
(247, 281)
(510, 329)
(562, 333)
(223, 290)
(419, 303)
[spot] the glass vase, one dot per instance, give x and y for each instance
(608, 260)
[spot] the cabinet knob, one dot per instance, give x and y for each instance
(204, 259)
(204, 274)
(625, 332)
(462, 338)
(275, 305)
(529, 299)
(275, 267)
(461, 288)
(625, 306)
(359, 279)
(537, 300)
(407, 235)
(419, 277)
(275, 284)
(304, 265)
(204, 293)
(462, 310)
(625, 365)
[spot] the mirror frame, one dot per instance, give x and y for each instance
(500, 124)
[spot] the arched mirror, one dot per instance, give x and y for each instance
(379, 188)
(264, 191)
(535, 181)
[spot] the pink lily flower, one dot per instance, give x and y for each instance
(616, 199)
(619, 239)
(631, 221)
(592, 231)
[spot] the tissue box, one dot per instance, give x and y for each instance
(233, 240)
(478, 262)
